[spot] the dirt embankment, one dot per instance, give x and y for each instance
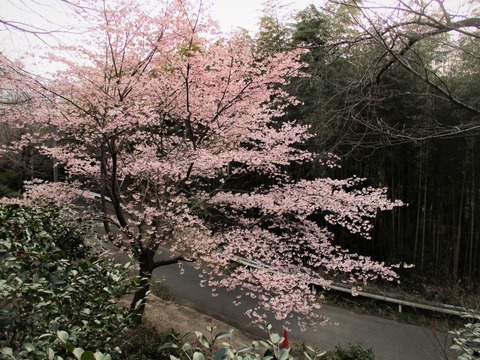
(166, 315)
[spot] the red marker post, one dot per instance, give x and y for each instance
(285, 339)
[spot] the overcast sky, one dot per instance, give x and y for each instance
(245, 13)
(230, 14)
(49, 14)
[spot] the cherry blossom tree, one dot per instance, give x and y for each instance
(178, 128)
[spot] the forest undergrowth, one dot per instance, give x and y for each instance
(417, 290)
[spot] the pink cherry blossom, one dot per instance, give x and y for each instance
(172, 123)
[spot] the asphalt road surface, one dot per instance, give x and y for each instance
(389, 339)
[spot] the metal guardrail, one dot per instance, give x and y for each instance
(442, 308)
(88, 193)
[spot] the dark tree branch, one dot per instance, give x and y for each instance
(174, 260)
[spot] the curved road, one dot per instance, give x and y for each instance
(389, 339)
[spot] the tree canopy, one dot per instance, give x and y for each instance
(179, 130)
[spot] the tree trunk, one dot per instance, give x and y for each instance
(458, 238)
(140, 297)
(147, 265)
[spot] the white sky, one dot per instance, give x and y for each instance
(231, 14)
(245, 13)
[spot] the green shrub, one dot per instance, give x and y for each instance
(352, 352)
(218, 346)
(467, 339)
(50, 284)
(144, 343)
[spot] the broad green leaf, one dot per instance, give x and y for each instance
(223, 334)
(283, 354)
(63, 335)
(168, 346)
(87, 355)
(186, 347)
(29, 347)
(226, 345)
(100, 356)
(244, 349)
(198, 356)
(222, 354)
(7, 351)
(275, 338)
(78, 352)
(69, 347)
(266, 344)
(203, 340)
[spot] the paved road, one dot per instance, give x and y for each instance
(389, 339)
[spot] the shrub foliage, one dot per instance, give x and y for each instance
(52, 285)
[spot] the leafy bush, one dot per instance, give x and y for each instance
(144, 343)
(467, 339)
(218, 346)
(353, 352)
(51, 284)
